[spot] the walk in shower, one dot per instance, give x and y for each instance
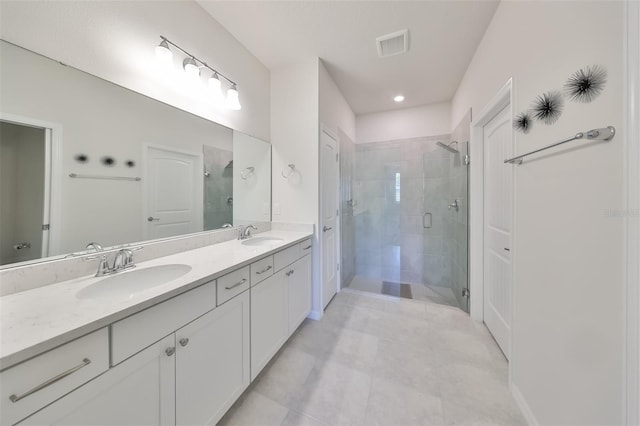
(410, 208)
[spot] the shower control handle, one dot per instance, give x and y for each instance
(454, 205)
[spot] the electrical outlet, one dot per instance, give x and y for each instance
(276, 208)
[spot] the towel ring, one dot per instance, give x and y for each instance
(291, 167)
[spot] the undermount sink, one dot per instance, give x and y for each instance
(261, 241)
(129, 283)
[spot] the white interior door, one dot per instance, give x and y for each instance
(329, 217)
(498, 187)
(173, 187)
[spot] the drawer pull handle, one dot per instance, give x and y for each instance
(307, 247)
(264, 270)
(184, 342)
(170, 351)
(242, 281)
(15, 398)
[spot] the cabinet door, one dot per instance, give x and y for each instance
(269, 319)
(299, 292)
(140, 391)
(212, 362)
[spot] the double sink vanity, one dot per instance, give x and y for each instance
(175, 340)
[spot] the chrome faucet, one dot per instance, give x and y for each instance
(245, 232)
(123, 260)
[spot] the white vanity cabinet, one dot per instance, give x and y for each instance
(139, 391)
(192, 376)
(212, 362)
(280, 303)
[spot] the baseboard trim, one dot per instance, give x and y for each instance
(524, 407)
(315, 315)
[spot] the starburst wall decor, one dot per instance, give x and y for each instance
(522, 122)
(586, 84)
(547, 107)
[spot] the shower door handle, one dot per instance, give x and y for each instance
(424, 220)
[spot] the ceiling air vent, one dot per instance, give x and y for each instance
(393, 44)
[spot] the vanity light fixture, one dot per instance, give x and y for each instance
(399, 98)
(192, 66)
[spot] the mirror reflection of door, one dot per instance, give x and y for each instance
(22, 192)
(174, 202)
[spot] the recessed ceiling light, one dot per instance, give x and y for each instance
(399, 98)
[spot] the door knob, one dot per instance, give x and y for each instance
(326, 228)
(184, 342)
(170, 351)
(152, 219)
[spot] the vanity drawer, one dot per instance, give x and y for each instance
(261, 269)
(232, 284)
(45, 378)
(132, 334)
(286, 257)
(306, 246)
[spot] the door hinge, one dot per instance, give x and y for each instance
(45, 227)
(337, 212)
(338, 266)
(466, 292)
(337, 156)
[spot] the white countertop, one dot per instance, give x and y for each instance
(38, 320)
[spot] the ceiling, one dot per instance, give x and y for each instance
(443, 36)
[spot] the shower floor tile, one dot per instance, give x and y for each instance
(427, 293)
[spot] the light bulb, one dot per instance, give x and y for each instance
(399, 98)
(163, 53)
(232, 98)
(191, 68)
(214, 82)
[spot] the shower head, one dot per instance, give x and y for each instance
(448, 147)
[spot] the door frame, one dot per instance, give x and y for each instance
(145, 190)
(631, 94)
(53, 178)
(334, 136)
(502, 99)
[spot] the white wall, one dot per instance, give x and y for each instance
(294, 140)
(116, 41)
(567, 349)
(335, 112)
(427, 120)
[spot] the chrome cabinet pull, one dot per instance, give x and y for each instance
(15, 398)
(242, 281)
(326, 228)
(307, 247)
(184, 341)
(264, 270)
(170, 351)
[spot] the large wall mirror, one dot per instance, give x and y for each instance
(83, 160)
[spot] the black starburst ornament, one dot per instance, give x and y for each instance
(547, 107)
(586, 84)
(522, 122)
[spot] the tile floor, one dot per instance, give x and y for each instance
(376, 360)
(427, 293)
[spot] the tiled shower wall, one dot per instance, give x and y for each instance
(347, 220)
(218, 187)
(389, 186)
